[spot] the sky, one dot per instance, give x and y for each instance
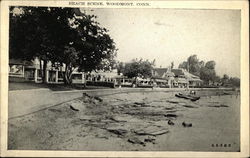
(168, 35)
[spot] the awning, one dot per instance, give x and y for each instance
(182, 80)
(195, 79)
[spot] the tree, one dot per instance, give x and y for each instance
(183, 65)
(91, 49)
(192, 65)
(225, 79)
(217, 79)
(207, 73)
(61, 35)
(230, 81)
(39, 32)
(172, 65)
(138, 68)
(235, 81)
(120, 67)
(210, 65)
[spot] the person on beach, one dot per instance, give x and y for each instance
(192, 92)
(119, 83)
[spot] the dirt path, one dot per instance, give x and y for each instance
(155, 121)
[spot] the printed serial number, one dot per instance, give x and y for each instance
(221, 145)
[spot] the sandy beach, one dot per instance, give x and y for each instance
(132, 121)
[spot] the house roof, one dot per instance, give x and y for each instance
(20, 62)
(189, 76)
(160, 71)
(177, 72)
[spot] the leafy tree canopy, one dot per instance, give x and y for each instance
(192, 65)
(230, 81)
(206, 71)
(61, 35)
(137, 68)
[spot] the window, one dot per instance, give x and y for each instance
(77, 76)
(16, 70)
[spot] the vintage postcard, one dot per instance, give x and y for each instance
(125, 78)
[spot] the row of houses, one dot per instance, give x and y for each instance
(20, 70)
(175, 78)
(161, 77)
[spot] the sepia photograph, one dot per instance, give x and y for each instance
(124, 79)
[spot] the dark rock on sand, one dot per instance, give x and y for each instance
(186, 124)
(189, 106)
(218, 106)
(72, 108)
(170, 115)
(170, 122)
(136, 140)
(150, 139)
(118, 131)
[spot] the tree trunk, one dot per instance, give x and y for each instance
(44, 71)
(40, 71)
(67, 75)
(67, 79)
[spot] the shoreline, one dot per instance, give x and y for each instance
(21, 104)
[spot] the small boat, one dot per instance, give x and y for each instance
(185, 96)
